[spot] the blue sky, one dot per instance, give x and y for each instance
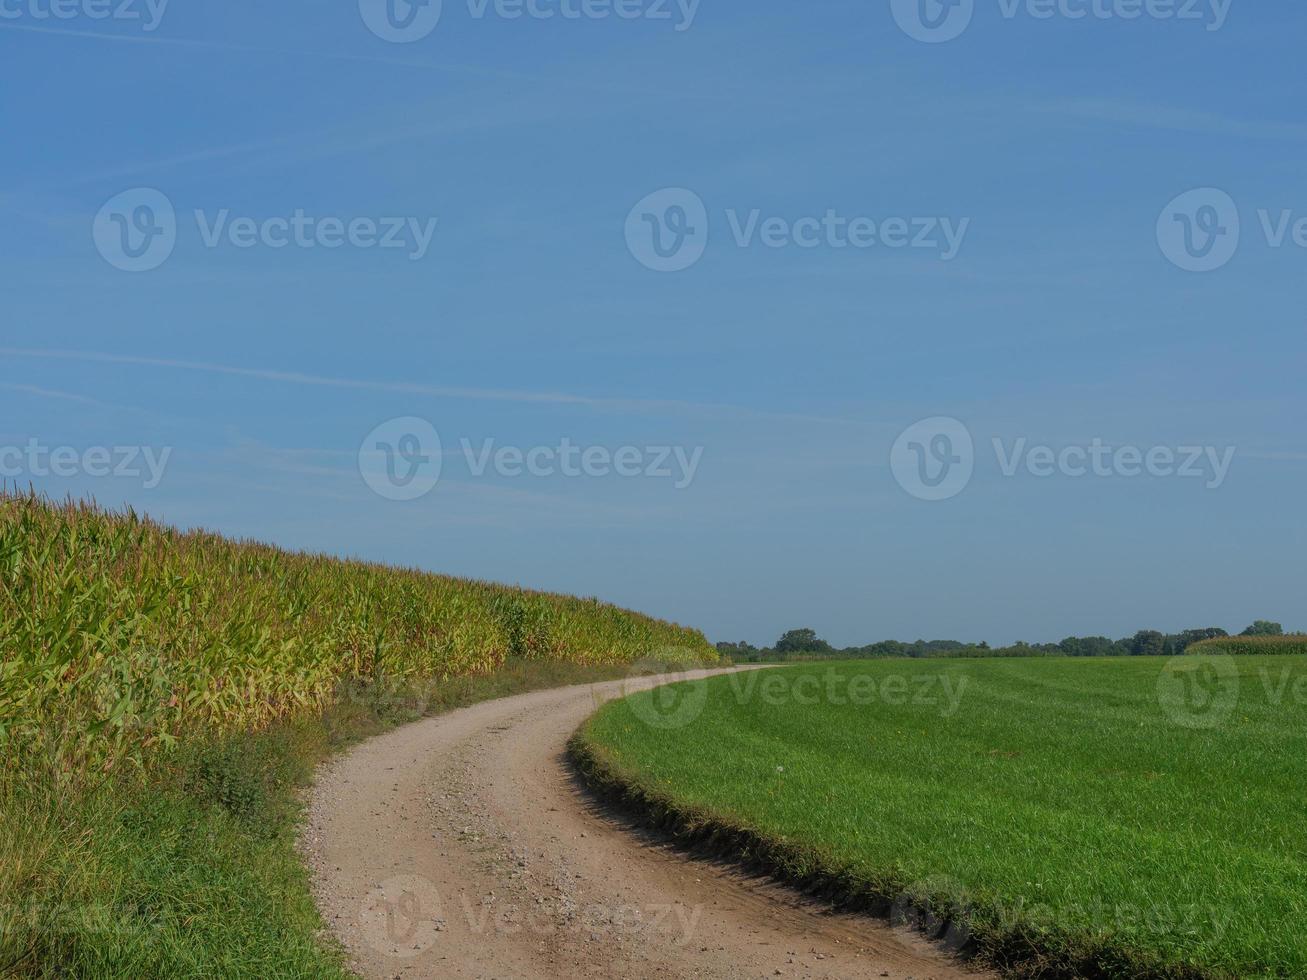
(1056, 142)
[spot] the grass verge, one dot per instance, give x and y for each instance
(188, 868)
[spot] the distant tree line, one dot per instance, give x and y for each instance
(805, 644)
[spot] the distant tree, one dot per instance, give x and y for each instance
(1182, 641)
(1264, 628)
(1090, 646)
(885, 648)
(805, 644)
(742, 652)
(941, 646)
(801, 641)
(1148, 643)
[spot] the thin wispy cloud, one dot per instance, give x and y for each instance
(229, 46)
(50, 393)
(528, 106)
(1286, 456)
(458, 500)
(446, 67)
(621, 405)
(1173, 118)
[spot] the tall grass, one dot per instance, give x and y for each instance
(1251, 646)
(187, 867)
(119, 636)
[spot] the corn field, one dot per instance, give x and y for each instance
(1251, 646)
(120, 636)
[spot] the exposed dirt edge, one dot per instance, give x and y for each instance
(1016, 951)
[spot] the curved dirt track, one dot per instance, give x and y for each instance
(462, 847)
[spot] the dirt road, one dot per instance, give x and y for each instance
(461, 847)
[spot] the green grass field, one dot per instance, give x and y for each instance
(1064, 817)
